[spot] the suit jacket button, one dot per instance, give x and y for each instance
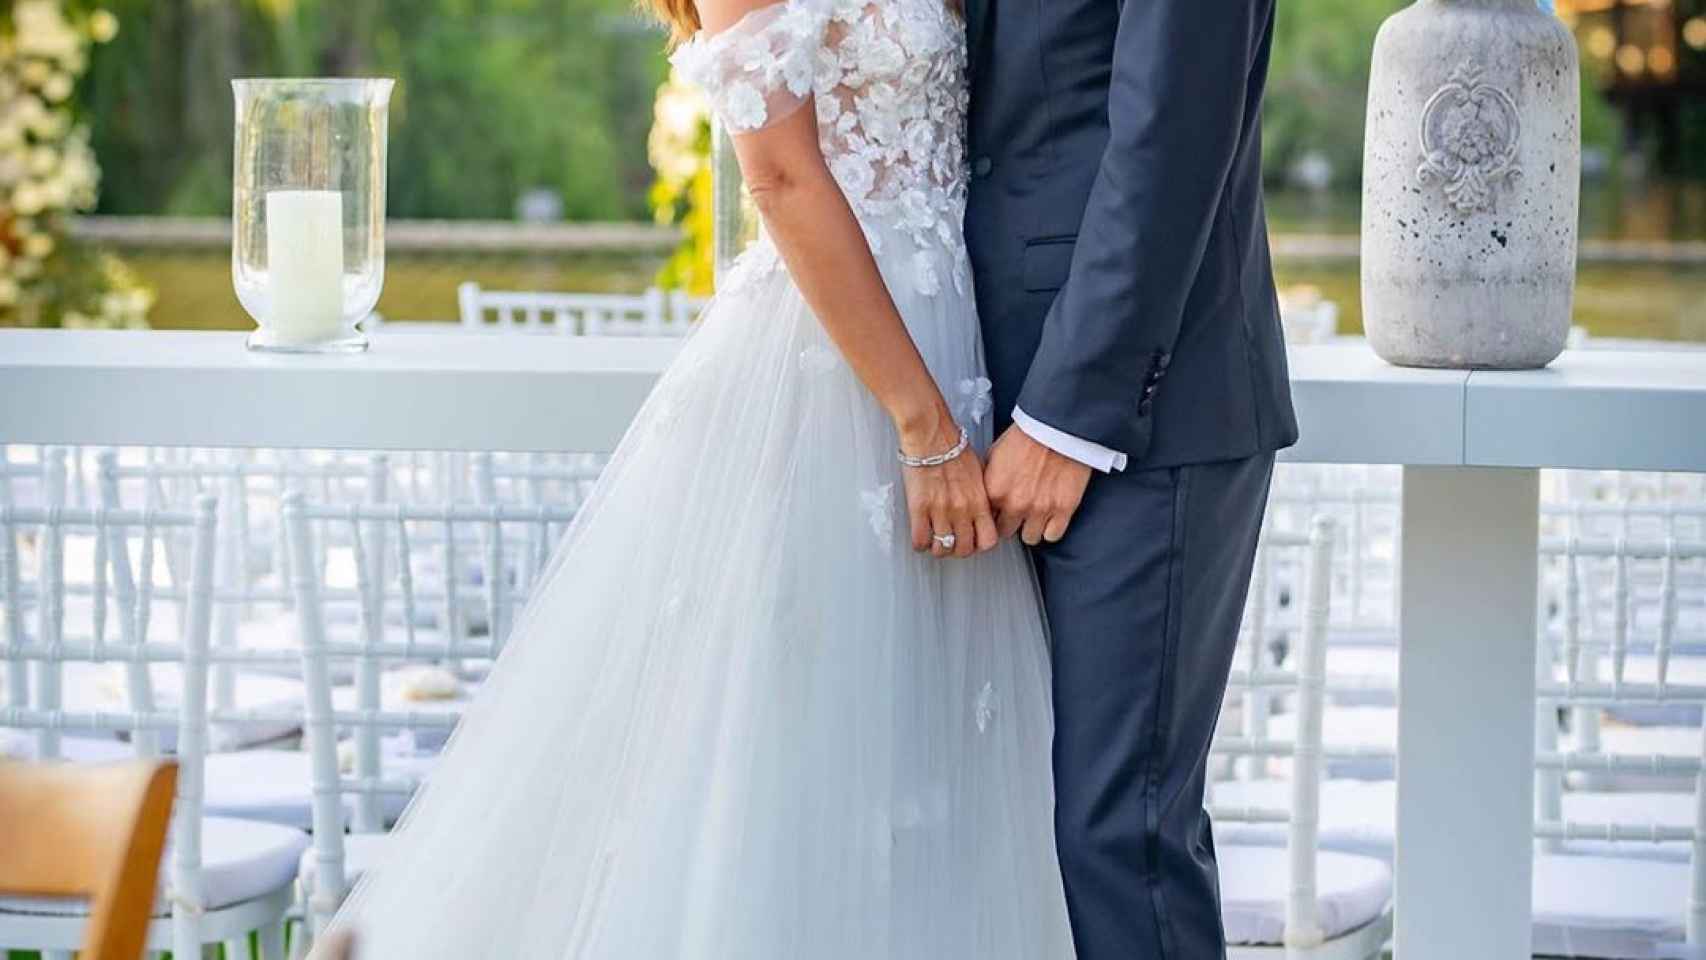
(1162, 359)
(981, 166)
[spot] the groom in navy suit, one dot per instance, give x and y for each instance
(1120, 252)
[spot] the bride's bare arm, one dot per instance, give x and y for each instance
(825, 249)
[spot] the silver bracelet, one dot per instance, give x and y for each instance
(936, 460)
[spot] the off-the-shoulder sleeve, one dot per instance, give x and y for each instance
(759, 71)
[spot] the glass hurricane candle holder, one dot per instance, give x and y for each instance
(308, 210)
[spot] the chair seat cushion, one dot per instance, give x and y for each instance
(241, 860)
(1609, 907)
(400, 693)
(1351, 892)
(362, 852)
(1370, 664)
(276, 786)
(268, 785)
(18, 744)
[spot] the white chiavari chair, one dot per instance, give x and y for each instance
(652, 313)
(1357, 797)
(256, 694)
(227, 878)
(1362, 651)
(371, 770)
(1611, 613)
(18, 468)
(1364, 502)
(684, 308)
(27, 480)
(1621, 816)
(1355, 815)
(245, 676)
(45, 478)
(1297, 900)
(536, 480)
(1362, 642)
(1624, 694)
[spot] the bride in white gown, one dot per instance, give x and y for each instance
(743, 717)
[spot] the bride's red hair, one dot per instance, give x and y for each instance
(681, 16)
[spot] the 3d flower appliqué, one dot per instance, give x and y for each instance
(976, 402)
(879, 510)
(983, 711)
(887, 84)
(743, 107)
(818, 358)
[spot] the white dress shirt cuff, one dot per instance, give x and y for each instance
(1092, 455)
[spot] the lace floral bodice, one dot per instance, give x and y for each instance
(887, 80)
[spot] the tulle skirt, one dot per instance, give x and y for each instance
(740, 718)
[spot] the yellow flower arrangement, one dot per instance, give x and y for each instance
(48, 172)
(680, 151)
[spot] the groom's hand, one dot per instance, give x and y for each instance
(1033, 490)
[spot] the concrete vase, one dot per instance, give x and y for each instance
(1471, 184)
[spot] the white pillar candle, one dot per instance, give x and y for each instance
(305, 265)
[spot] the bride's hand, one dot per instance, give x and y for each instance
(947, 499)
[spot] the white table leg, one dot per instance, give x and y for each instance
(1466, 713)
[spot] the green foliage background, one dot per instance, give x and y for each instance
(500, 96)
(1318, 87)
(495, 97)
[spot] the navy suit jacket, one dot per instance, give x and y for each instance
(1116, 227)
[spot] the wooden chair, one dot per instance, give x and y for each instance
(338, 945)
(95, 832)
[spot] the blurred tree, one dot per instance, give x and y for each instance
(1318, 88)
(494, 98)
(679, 145)
(48, 171)
(1318, 84)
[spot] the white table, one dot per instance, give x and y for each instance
(1471, 445)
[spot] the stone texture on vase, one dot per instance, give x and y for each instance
(1471, 184)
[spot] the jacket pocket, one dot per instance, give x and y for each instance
(1046, 263)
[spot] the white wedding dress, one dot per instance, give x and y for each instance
(741, 719)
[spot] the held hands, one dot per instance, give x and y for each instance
(1033, 490)
(946, 503)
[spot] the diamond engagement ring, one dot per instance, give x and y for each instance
(945, 540)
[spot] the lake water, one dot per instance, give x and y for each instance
(1618, 300)
(1643, 300)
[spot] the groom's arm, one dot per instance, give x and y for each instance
(1176, 109)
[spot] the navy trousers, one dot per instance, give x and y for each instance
(1144, 597)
